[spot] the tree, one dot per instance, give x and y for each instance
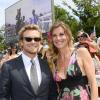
(3, 46)
(1, 43)
(88, 12)
(62, 15)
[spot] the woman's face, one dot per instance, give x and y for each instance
(59, 38)
(14, 50)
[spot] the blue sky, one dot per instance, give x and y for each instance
(6, 3)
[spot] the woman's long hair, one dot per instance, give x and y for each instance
(67, 33)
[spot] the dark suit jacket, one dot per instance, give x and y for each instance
(14, 82)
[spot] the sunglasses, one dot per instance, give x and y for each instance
(29, 39)
(79, 36)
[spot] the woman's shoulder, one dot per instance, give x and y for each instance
(83, 53)
(82, 50)
(79, 50)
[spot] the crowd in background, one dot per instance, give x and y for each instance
(60, 51)
(87, 40)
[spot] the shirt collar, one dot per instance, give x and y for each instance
(28, 59)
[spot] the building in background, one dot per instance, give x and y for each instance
(27, 12)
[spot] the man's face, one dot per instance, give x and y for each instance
(31, 41)
(93, 36)
(82, 37)
(79, 36)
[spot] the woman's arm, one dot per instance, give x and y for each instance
(89, 69)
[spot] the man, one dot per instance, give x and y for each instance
(85, 41)
(16, 80)
(35, 17)
(78, 38)
(92, 35)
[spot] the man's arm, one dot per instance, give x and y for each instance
(4, 83)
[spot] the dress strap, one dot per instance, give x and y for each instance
(73, 57)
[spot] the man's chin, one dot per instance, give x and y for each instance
(32, 52)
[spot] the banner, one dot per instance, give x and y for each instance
(28, 12)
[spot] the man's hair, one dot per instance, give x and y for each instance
(28, 27)
(85, 35)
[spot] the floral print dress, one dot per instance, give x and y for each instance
(75, 86)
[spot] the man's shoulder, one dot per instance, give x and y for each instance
(42, 59)
(14, 60)
(98, 39)
(11, 64)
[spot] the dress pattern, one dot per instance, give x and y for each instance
(75, 86)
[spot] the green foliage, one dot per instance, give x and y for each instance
(62, 15)
(1, 47)
(88, 12)
(2, 44)
(1, 38)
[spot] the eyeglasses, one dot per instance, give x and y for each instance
(84, 35)
(79, 37)
(29, 39)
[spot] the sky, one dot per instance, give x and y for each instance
(6, 3)
(3, 5)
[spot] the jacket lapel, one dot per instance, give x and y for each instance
(24, 77)
(23, 73)
(43, 75)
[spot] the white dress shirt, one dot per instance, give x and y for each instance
(98, 41)
(28, 64)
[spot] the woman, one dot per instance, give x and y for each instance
(11, 54)
(73, 68)
(87, 42)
